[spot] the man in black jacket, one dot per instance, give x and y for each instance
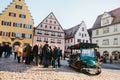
(35, 52)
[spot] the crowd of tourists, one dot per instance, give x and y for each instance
(38, 54)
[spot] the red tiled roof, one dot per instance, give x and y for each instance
(114, 13)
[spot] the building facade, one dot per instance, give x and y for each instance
(75, 35)
(51, 31)
(106, 33)
(16, 23)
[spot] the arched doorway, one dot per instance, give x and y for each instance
(116, 55)
(106, 54)
(16, 43)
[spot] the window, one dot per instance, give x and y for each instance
(27, 35)
(86, 41)
(59, 35)
(41, 25)
(105, 42)
(78, 40)
(19, 35)
(52, 33)
(54, 22)
(82, 29)
(12, 14)
(39, 39)
(46, 33)
(45, 39)
(79, 34)
(5, 33)
(115, 41)
(39, 31)
(6, 23)
(105, 21)
(27, 26)
(45, 26)
(68, 40)
(46, 21)
(58, 28)
(52, 40)
(97, 32)
(50, 27)
(54, 27)
(59, 41)
(105, 30)
(97, 41)
(50, 16)
(18, 7)
(22, 16)
(50, 21)
(85, 35)
(17, 25)
(115, 28)
(82, 35)
(83, 41)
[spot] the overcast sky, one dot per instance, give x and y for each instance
(68, 12)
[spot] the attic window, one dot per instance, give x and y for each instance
(50, 16)
(18, 7)
(58, 28)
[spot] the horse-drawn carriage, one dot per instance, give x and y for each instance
(85, 60)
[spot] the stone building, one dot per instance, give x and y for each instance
(75, 35)
(106, 33)
(16, 24)
(51, 31)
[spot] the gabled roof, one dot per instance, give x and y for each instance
(46, 18)
(114, 13)
(15, 2)
(69, 33)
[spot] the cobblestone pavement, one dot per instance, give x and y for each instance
(11, 70)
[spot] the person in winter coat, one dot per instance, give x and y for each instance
(111, 59)
(19, 53)
(55, 57)
(40, 54)
(35, 52)
(28, 50)
(46, 55)
(1, 50)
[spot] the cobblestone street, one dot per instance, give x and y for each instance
(11, 70)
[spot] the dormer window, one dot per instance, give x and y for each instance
(106, 19)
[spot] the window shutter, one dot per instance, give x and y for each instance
(9, 34)
(14, 15)
(13, 34)
(9, 13)
(2, 22)
(13, 24)
(24, 26)
(10, 23)
(31, 36)
(23, 35)
(0, 33)
(21, 25)
(30, 26)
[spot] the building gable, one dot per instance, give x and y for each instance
(115, 18)
(50, 23)
(17, 9)
(106, 19)
(70, 33)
